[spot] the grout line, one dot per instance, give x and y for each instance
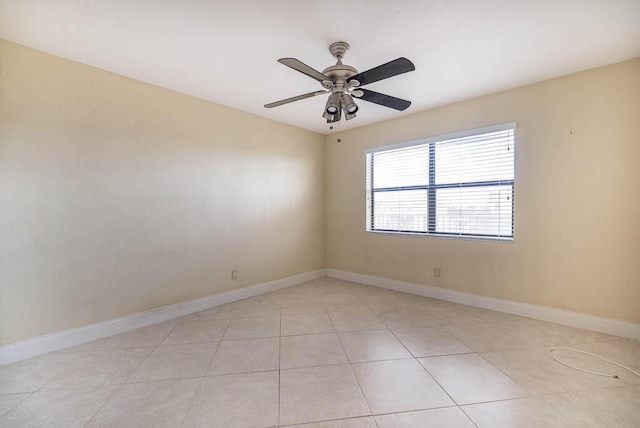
(202, 378)
(467, 415)
(437, 383)
(103, 404)
(28, 395)
(399, 412)
(58, 373)
(75, 388)
(353, 371)
(235, 339)
(328, 420)
(74, 350)
(86, 351)
(398, 339)
(427, 372)
(216, 351)
(7, 394)
(149, 354)
(531, 394)
(163, 380)
(192, 401)
(373, 416)
(153, 348)
(204, 342)
(319, 365)
(279, 365)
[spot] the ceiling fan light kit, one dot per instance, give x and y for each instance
(343, 82)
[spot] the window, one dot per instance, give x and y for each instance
(454, 185)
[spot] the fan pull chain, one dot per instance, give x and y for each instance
(339, 139)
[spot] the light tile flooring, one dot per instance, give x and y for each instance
(329, 353)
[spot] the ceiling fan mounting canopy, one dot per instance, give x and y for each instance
(343, 82)
(338, 49)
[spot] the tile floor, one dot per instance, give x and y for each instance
(329, 353)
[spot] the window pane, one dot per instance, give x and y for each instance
(484, 159)
(475, 210)
(401, 167)
(402, 210)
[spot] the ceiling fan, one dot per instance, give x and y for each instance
(344, 82)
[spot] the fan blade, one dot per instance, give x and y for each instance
(303, 68)
(292, 99)
(384, 100)
(384, 71)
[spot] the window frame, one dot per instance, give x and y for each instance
(432, 187)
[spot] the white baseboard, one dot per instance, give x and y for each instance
(64, 339)
(544, 313)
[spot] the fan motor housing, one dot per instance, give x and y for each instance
(339, 72)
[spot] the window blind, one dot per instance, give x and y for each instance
(455, 185)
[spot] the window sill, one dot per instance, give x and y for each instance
(446, 236)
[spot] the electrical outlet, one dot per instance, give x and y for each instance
(234, 274)
(436, 272)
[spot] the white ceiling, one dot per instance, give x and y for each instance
(226, 51)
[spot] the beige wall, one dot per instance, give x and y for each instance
(577, 203)
(117, 196)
